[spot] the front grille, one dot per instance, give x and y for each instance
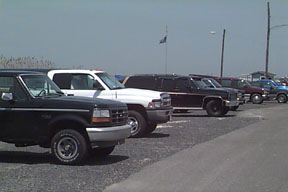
(233, 96)
(119, 116)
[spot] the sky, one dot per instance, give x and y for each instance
(122, 36)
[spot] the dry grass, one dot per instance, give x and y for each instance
(25, 63)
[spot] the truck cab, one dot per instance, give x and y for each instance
(146, 108)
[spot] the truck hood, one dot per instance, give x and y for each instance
(282, 87)
(80, 102)
(216, 91)
(139, 93)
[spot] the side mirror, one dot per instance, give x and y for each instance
(7, 96)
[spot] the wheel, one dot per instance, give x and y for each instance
(101, 152)
(150, 128)
(225, 110)
(69, 147)
(256, 98)
(234, 108)
(214, 108)
(137, 122)
(282, 98)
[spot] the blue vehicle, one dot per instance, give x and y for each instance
(268, 83)
(278, 92)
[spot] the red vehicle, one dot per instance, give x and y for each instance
(254, 94)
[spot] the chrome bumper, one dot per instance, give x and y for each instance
(116, 133)
(231, 103)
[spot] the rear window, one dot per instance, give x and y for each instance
(226, 83)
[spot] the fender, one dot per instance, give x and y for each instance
(210, 97)
(66, 117)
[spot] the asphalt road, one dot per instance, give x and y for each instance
(252, 159)
(33, 168)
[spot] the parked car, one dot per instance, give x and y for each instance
(254, 94)
(275, 93)
(212, 83)
(34, 111)
(146, 109)
(186, 93)
(270, 82)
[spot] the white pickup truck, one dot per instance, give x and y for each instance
(145, 108)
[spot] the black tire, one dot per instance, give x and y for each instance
(214, 108)
(234, 108)
(150, 128)
(256, 98)
(101, 152)
(225, 110)
(69, 147)
(137, 122)
(282, 98)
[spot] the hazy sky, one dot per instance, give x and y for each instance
(122, 36)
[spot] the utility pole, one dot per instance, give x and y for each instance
(222, 55)
(268, 39)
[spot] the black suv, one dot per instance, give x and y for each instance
(187, 93)
(34, 111)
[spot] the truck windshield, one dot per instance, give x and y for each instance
(246, 83)
(217, 85)
(41, 85)
(200, 83)
(110, 81)
(275, 83)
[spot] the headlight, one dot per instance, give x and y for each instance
(239, 95)
(156, 103)
(100, 115)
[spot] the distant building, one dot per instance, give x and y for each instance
(257, 75)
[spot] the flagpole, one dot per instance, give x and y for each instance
(166, 51)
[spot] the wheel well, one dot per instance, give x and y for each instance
(281, 94)
(206, 100)
(139, 109)
(67, 124)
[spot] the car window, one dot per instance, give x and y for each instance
(62, 80)
(40, 85)
(141, 82)
(208, 83)
(110, 81)
(226, 83)
(256, 84)
(240, 83)
(83, 82)
(183, 85)
(11, 85)
(168, 85)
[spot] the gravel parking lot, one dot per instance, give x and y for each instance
(33, 168)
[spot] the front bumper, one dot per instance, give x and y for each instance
(108, 136)
(159, 115)
(231, 103)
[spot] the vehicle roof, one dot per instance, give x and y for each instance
(17, 72)
(77, 70)
(231, 78)
(160, 75)
(63, 70)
